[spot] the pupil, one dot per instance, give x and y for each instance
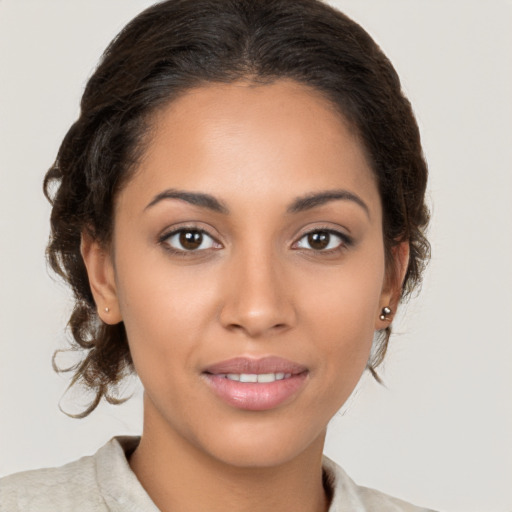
(319, 240)
(191, 239)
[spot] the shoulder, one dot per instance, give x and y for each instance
(70, 487)
(102, 482)
(78, 486)
(350, 497)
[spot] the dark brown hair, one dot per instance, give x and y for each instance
(179, 44)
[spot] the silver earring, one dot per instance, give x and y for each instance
(107, 310)
(386, 311)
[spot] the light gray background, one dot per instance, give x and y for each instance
(440, 434)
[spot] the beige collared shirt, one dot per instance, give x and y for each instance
(104, 482)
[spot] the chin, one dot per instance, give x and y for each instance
(262, 446)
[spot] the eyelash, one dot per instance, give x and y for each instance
(345, 241)
(164, 241)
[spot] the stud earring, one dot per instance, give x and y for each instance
(386, 311)
(107, 310)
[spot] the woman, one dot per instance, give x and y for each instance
(239, 210)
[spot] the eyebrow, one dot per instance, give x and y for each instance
(313, 200)
(300, 204)
(195, 198)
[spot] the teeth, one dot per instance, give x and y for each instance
(267, 377)
(248, 377)
(257, 377)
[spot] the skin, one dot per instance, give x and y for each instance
(255, 288)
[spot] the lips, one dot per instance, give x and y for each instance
(256, 384)
(256, 366)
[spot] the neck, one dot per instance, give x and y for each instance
(179, 476)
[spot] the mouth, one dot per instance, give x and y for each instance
(256, 384)
(255, 377)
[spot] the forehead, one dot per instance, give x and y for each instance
(246, 141)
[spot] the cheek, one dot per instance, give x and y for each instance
(341, 312)
(164, 309)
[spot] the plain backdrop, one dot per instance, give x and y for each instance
(440, 432)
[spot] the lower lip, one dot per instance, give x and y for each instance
(253, 396)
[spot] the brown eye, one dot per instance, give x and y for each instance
(319, 240)
(323, 240)
(189, 240)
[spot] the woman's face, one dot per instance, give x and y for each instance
(247, 247)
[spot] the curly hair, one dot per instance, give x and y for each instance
(176, 45)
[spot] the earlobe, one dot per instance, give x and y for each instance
(100, 270)
(392, 290)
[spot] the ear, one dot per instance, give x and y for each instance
(391, 292)
(100, 270)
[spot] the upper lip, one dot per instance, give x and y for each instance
(271, 364)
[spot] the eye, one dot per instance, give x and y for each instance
(189, 240)
(322, 240)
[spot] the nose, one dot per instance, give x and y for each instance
(258, 298)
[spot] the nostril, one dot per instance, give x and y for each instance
(254, 330)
